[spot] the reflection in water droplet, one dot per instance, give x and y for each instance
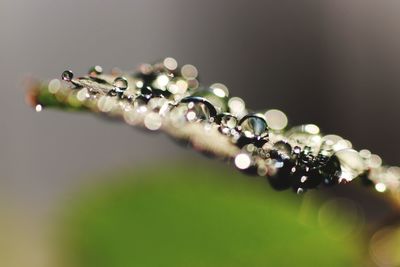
(254, 126)
(198, 109)
(67, 75)
(120, 84)
(227, 121)
(220, 89)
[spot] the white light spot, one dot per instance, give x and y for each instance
(162, 80)
(236, 106)
(222, 90)
(170, 63)
(276, 119)
(380, 187)
(242, 161)
(54, 86)
(152, 121)
(38, 108)
(139, 84)
(82, 95)
(189, 72)
(312, 129)
(191, 116)
(219, 92)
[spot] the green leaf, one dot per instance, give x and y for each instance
(200, 216)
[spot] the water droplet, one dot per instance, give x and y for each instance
(300, 191)
(95, 71)
(254, 126)
(227, 121)
(67, 75)
(283, 149)
(120, 84)
(351, 164)
(236, 106)
(198, 109)
(220, 89)
(147, 92)
(38, 108)
(215, 96)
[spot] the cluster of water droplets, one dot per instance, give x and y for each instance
(298, 157)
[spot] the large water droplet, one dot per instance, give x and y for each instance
(67, 75)
(215, 96)
(351, 164)
(254, 126)
(198, 109)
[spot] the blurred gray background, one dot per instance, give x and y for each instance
(334, 63)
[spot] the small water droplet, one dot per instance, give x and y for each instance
(227, 122)
(120, 83)
(38, 108)
(300, 191)
(95, 71)
(67, 75)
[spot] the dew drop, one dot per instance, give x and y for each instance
(67, 75)
(95, 71)
(198, 109)
(227, 122)
(38, 108)
(120, 83)
(254, 126)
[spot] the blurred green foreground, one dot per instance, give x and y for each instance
(204, 216)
